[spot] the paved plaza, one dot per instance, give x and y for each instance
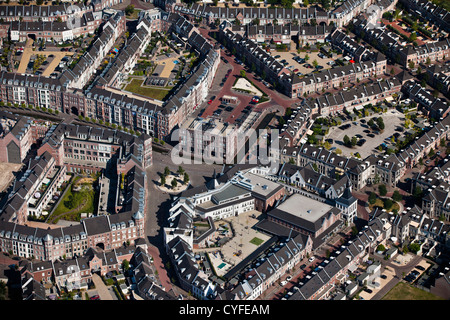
(240, 246)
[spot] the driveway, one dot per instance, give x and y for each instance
(105, 292)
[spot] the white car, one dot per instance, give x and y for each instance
(283, 283)
(289, 278)
(312, 259)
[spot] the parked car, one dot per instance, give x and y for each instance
(312, 259)
(420, 268)
(96, 297)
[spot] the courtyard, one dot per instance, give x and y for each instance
(244, 241)
(77, 201)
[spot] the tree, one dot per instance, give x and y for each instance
(346, 140)
(129, 10)
(372, 198)
(166, 171)
(382, 190)
(307, 58)
(315, 63)
(388, 203)
(397, 196)
(174, 183)
(180, 170)
(163, 180)
(125, 265)
(414, 247)
(354, 141)
(185, 178)
(242, 73)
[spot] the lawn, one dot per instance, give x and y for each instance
(380, 203)
(404, 291)
(75, 202)
(135, 86)
(256, 241)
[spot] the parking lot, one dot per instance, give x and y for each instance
(306, 67)
(359, 128)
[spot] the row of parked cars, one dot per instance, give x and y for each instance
(412, 276)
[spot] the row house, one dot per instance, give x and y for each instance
(340, 16)
(19, 89)
(284, 33)
(16, 137)
(319, 285)
(331, 164)
(53, 30)
(246, 15)
(341, 76)
(435, 187)
(312, 181)
(276, 263)
(156, 117)
(388, 169)
(123, 64)
(99, 5)
(340, 40)
(191, 278)
(357, 97)
(344, 13)
(429, 52)
(30, 194)
(76, 273)
(295, 129)
(422, 146)
(268, 67)
(431, 106)
(432, 12)
(414, 224)
(93, 57)
(144, 278)
(397, 49)
(439, 77)
(106, 232)
(34, 13)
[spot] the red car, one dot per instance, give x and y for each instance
(210, 101)
(295, 70)
(96, 297)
